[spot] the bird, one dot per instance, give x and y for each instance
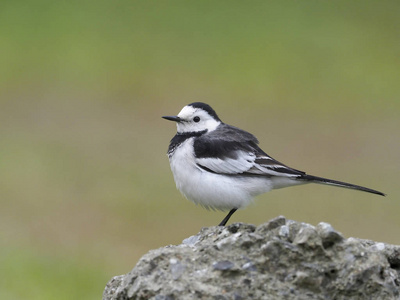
(222, 167)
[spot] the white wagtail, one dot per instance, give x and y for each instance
(222, 167)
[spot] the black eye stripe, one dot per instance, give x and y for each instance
(196, 119)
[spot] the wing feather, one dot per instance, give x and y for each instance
(230, 150)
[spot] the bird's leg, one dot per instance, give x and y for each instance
(223, 222)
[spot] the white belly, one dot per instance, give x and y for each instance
(212, 190)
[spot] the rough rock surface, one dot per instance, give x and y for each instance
(281, 259)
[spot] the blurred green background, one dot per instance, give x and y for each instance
(86, 187)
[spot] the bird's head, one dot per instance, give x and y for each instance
(195, 117)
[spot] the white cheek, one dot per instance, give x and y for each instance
(183, 127)
(189, 127)
(211, 125)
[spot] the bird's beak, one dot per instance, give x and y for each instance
(172, 118)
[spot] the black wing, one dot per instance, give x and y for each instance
(230, 150)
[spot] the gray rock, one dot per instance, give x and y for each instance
(281, 259)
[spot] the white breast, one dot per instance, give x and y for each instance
(213, 190)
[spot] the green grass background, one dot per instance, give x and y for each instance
(85, 185)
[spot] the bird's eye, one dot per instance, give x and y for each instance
(196, 119)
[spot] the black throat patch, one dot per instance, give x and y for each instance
(179, 138)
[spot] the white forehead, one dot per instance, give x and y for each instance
(187, 112)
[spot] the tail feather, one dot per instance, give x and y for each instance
(321, 180)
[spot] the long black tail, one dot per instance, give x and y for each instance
(321, 180)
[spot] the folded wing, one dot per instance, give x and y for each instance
(230, 150)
